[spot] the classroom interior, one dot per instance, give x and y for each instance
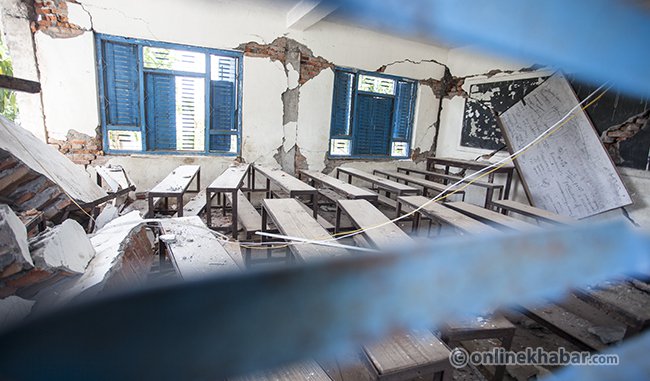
(176, 153)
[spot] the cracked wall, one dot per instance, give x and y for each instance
(287, 78)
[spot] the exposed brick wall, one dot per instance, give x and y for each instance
(614, 135)
(310, 65)
(52, 19)
(79, 147)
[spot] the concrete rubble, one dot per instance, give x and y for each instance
(64, 247)
(14, 251)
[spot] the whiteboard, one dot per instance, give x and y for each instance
(569, 172)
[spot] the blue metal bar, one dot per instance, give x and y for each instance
(214, 328)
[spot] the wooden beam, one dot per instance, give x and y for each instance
(18, 84)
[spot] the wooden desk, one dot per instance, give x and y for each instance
(230, 181)
(341, 187)
(380, 182)
(440, 213)
(447, 162)
(364, 215)
(289, 184)
(489, 216)
(175, 185)
(424, 183)
(292, 220)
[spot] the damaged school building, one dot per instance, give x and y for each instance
(149, 144)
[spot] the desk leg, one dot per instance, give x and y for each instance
(337, 224)
(208, 209)
(151, 207)
(314, 204)
(198, 180)
(248, 180)
(179, 205)
(268, 188)
(337, 173)
(234, 214)
(506, 191)
(416, 223)
(506, 343)
(264, 238)
(489, 194)
(223, 202)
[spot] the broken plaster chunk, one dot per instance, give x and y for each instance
(13, 309)
(168, 238)
(65, 247)
(14, 249)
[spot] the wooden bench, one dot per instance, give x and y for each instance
(427, 185)
(404, 356)
(490, 188)
(230, 181)
(459, 221)
(380, 182)
(306, 370)
(287, 183)
(320, 219)
(195, 206)
(364, 215)
(175, 185)
(247, 215)
(508, 169)
(531, 211)
(489, 216)
(341, 187)
(195, 252)
(292, 220)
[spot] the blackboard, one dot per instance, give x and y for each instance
(484, 100)
(568, 173)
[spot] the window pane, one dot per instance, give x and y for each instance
(124, 140)
(223, 68)
(399, 149)
(376, 84)
(172, 59)
(340, 147)
(190, 114)
(223, 143)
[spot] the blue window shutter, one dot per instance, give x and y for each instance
(342, 103)
(160, 108)
(121, 87)
(373, 124)
(223, 108)
(404, 110)
(221, 142)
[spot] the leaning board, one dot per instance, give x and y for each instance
(569, 172)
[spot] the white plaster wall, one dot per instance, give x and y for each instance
(264, 83)
(315, 110)
(70, 98)
(69, 83)
(17, 37)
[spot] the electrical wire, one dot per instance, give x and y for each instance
(479, 174)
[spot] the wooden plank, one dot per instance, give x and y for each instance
(306, 370)
(364, 215)
(379, 181)
(177, 181)
(19, 84)
(478, 328)
(478, 183)
(417, 348)
(247, 215)
(469, 164)
(231, 179)
(622, 299)
(292, 220)
(196, 252)
(531, 211)
(417, 180)
(340, 186)
(437, 211)
(349, 366)
(285, 181)
(566, 324)
(329, 195)
(491, 217)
